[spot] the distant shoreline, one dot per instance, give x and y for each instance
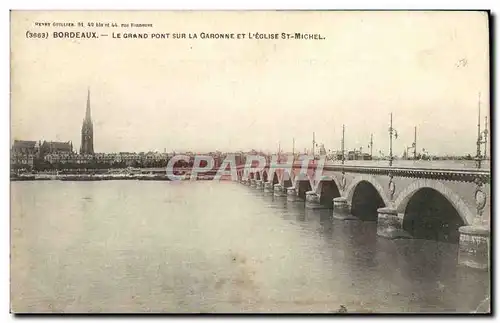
(81, 178)
(100, 177)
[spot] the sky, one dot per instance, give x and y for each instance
(426, 68)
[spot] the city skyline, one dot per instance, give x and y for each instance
(212, 95)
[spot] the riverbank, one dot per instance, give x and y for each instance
(101, 177)
(86, 177)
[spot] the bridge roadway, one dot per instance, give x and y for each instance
(446, 204)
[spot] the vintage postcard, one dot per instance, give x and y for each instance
(250, 162)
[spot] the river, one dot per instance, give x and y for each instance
(136, 246)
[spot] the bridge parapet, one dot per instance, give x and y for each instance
(449, 174)
(464, 175)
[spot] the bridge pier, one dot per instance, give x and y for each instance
(474, 246)
(389, 224)
(268, 187)
(341, 209)
(291, 194)
(312, 200)
(252, 183)
(278, 191)
(259, 184)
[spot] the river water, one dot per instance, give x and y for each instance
(145, 246)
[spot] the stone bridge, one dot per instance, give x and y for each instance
(451, 205)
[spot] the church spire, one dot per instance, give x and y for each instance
(87, 146)
(87, 112)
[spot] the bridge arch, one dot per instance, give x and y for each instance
(265, 175)
(302, 186)
(281, 177)
(328, 190)
(288, 183)
(366, 196)
(465, 213)
(327, 179)
(296, 178)
(349, 192)
(276, 178)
